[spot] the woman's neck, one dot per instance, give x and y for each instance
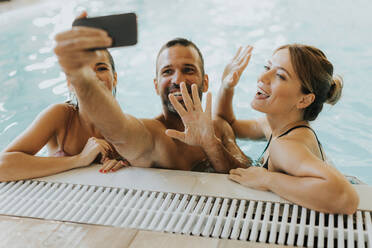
(281, 123)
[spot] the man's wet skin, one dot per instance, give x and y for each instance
(144, 142)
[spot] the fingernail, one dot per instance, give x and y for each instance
(105, 171)
(113, 170)
(100, 170)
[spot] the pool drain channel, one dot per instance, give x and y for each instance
(207, 216)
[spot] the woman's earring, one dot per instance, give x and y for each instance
(72, 99)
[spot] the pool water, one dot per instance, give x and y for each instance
(31, 79)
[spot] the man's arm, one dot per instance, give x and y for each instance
(74, 51)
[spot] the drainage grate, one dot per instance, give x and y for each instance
(225, 218)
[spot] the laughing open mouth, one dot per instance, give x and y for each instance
(261, 94)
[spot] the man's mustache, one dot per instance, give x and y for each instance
(177, 87)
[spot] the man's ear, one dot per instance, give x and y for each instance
(206, 83)
(305, 101)
(156, 86)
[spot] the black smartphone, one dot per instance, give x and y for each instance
(121, 28)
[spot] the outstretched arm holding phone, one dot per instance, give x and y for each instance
(74, 51)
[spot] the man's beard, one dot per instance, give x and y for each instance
(169, 105)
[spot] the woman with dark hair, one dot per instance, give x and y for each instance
(71, 138)
(297, 81)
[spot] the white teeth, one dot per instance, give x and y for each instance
(177, 94)
(262, 92)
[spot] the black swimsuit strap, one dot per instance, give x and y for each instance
(267, 146)
(299, 126)
(285, 133)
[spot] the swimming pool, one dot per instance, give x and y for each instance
(31, 79)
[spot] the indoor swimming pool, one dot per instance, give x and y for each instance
(31, 78)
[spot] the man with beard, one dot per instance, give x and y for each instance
(149, 142)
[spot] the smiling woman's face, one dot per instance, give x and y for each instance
(278, 87)
(104, 71)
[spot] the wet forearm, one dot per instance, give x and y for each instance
(223, 160)
(98, 102)
(19, 165)
(224, 107)
(310, 192)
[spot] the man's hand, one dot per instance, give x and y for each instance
(73, 47)
(235, 68)
(199, 130)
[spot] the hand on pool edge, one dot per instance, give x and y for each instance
(253, 177)
(113, 165)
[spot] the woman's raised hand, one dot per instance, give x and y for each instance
(199, 130)
(235, 68)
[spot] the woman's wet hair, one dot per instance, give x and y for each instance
(111, 60)
(316, 76)
(112, 63)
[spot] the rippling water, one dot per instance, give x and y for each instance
(31, 79)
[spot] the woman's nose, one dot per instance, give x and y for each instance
(266, 76)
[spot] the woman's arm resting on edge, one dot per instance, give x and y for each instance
(18, 160)
(308, 181)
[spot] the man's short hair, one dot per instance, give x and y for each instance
(182, 42)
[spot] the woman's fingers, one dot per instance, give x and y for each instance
(112, 165)
(106, 165)
(80, 31)
(242, 55)
(119, 165)
(237, 53)
(81, 43)
(109, 165)
(244, 62)
(237, 171)
(83, 14)
(236, 178)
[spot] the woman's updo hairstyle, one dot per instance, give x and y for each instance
(316, 75)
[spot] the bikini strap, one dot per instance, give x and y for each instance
(267, 145)
(68, 125)
(299, 126)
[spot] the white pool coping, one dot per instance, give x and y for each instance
(185, 182)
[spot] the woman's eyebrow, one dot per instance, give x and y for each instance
(101, 63)
(282, 68)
